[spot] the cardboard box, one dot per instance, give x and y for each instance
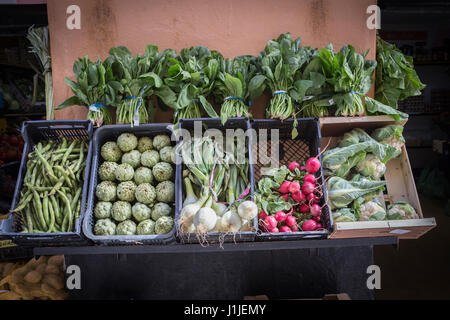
(400, 185)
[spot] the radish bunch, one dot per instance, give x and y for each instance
(302, 194)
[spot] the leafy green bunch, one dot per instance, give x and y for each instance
(137, 81)
(317, 100)
(350, 75)
(396, 78)
(280, 63)
(95, 88)
(236, 85)
(191, 76)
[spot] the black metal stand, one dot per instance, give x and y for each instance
(278, 269)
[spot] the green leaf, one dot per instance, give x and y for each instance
(374, 107)
(72, 101)
(208, 107)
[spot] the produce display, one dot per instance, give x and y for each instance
(355, 169)
(216, 187)
(396, 78)
(289, 198)
(136, 191)
(41, 279)
(302, 82)
(50, 198)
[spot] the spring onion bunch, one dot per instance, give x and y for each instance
(40, 45)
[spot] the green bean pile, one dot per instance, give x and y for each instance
(50, 198)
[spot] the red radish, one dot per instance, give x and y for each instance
(316, 219)
(270, 222)
(293, 165)
(310, 178)
(304, 208)
(308, 187)
(309, 225)
(312, 198)
(294, 229)
(284, 188)
(319, 226)
(312, 165)
(262, 215)
(285, 229)
(316, 210)
(285, 196)
(298, 196)
(274, 230)
(294, 187)
(290, 221)
(280, 216)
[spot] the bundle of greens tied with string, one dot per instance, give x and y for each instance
(236, 85)
(350, 76)
(95, 88)
(191, 76)
(280, 63)
(137, 82)
(217, 188)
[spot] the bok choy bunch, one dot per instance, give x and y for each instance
(236, 85)
(137, 82)
(280, 63)
(350, 75)
(95, 88)
(191, 77)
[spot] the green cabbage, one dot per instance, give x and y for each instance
(344, 168)
(344, 215)
(342, 192)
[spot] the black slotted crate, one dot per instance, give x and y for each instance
(304, 146)
(101, 136)
(34, 132)
(213, 237)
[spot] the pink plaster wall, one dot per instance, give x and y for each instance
(234, 27)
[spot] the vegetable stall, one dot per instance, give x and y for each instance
(134, 195)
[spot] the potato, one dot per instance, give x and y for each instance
(56, 260)
(33, 277)
(52, 293)
(7, 267)
(54, 281)
(41, 268)
(52, 269)
(9, 295)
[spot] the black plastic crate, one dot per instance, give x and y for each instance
(101, 136)
(213, 237)
(34, 132)
(304, 146)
